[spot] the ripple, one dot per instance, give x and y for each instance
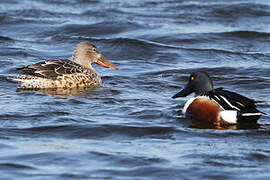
(10, 166)
(3, 38)
(93, 131)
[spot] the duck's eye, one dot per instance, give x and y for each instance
(191, 78)
(94, 49)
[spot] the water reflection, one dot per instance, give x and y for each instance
(60, 92)
(204, 125)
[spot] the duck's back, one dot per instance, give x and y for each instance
(245, 107)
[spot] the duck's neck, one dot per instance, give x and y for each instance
(81, 59)
(204, 90)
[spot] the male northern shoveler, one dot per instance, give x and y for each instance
(216, 105)
(65, 73)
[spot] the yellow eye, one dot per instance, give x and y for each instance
(191, 78)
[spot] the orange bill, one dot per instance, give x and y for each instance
(102, 61)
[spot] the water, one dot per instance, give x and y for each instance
(129, 128)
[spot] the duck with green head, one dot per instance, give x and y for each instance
(216, 105)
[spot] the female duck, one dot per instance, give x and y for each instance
(64, 73)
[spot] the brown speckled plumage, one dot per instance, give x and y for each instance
(64, 73)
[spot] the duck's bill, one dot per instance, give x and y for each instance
(185, 92)
(102, 61)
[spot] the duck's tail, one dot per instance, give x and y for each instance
(14, 79)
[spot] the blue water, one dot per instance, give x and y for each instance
(130, 128)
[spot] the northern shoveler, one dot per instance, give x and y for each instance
(217, 106)
(65, 73)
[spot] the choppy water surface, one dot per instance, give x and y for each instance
(129, 127)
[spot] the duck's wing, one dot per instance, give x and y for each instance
(232, 101)
(52, 68)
